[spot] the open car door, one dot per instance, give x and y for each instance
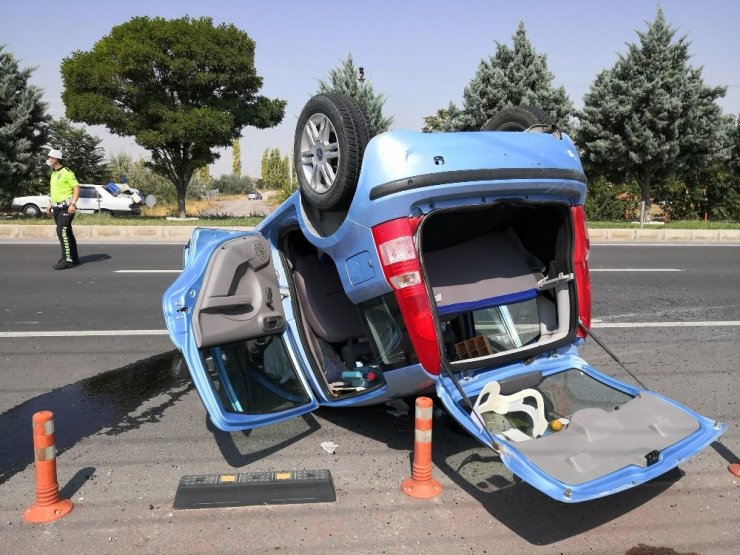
(226, 315)
(571, 431)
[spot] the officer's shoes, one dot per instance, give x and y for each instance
(64, 264)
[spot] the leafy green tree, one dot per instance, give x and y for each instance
(236, 162)
(284, 174)
(275, 174)
(346, 80)
(264, 168)
(443, 120)
(232, 184)
(82, 151)
(180, 87)
(608, 201)
(510, 77)
(711, 191)
(204, 175)
(23, 131)
(290, 185)
(651, 114)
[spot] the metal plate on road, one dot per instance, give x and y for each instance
(209, 491)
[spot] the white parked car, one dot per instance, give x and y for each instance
(92, 198)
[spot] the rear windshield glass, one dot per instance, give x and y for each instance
(573, 390)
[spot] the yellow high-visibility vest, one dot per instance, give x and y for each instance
(63, 182)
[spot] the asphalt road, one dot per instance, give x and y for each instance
(128, 430)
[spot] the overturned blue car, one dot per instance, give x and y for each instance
(410, 263)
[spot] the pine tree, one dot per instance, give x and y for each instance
(346, 80)
(651, 114)
(23, 130)
(735, 147)
(510, 77)
(236, 163)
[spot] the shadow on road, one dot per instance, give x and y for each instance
(76, 482)
(725, 453)
(479, 471)
(238, 451)
(89, 258)
(104, 403)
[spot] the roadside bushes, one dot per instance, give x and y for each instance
(713, 190)
(606, 201)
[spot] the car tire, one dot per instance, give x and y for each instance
(330, 123)
(31, 210)
(519, 118)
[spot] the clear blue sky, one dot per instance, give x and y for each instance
(420, 54)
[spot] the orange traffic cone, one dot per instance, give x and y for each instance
(421, 484)
(49, 504)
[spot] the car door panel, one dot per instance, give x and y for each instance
(240, 297)
(225, 313)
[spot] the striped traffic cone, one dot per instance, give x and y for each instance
(49, 504)
(421, 484)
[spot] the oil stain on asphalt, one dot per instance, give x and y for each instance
(105, 402)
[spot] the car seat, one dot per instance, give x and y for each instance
(328, 311)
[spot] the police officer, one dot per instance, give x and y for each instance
(63, 195)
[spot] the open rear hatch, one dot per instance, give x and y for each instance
(572, 432)
(502, 281)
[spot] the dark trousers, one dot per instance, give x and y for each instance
(65, 234)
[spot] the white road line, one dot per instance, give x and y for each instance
(635, 270)
(720, 323)
(83, 333)
(595, 324)
(591, 269)
(87, 243)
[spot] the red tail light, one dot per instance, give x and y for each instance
(395, 243)
(580, 262)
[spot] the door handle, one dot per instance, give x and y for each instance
(226, 301)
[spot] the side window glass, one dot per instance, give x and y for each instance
(87, 192)
(387, 333)
(255, 376)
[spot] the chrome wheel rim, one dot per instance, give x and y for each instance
(320, 153)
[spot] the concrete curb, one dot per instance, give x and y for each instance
(182, 233)
(667, 235)
(105, 232)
